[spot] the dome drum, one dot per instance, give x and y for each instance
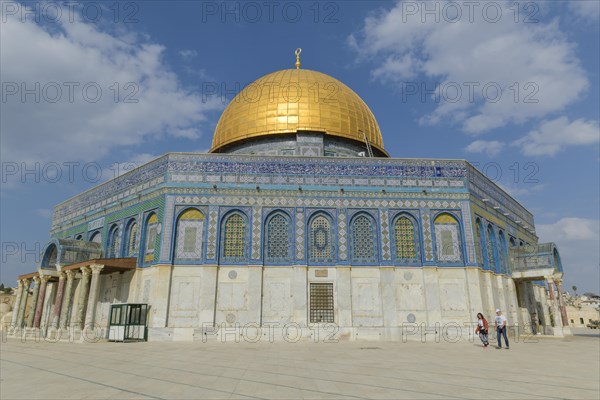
(302, 143)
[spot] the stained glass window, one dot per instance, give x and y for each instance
(447, 236)
(190, 228)
(151, 234)
(234, 238)
(320, 239)
(363, 240)
(278, 238)
(132, 240)
(404, 231)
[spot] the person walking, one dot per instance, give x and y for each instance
(501, 327)
(482, 329)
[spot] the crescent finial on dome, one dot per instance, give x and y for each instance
(297, 52)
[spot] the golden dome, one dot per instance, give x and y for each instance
(294, 100)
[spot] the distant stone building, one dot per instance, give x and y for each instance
(582, 310)
(299, 217)
(7, 303)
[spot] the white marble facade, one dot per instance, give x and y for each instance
(195, 302)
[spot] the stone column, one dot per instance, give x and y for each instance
(56, 307)
(40, 303)
(561, 302)
(84, 287)
(543, 303)
(90, 314)
(15, 310)
(555, 309)
(23, 304)
(34, 300)
(67, 300)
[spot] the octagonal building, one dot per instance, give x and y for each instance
(296, 221)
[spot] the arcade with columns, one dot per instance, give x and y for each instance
(61, 299)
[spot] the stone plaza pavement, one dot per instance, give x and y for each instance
(544, 368)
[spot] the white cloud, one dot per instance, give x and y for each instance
(77, 128)
(521, 189)
(553, 136)
(188, 54)
(395, 68)
(570, 229)
(577, 240)
(587, 9)
(198, 73)
(536, 58)
(491, 148)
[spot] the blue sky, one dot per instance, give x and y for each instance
(390, 53)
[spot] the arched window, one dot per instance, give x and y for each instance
(112, 247)
(79, 237)
(448, 239)
(190, 234)
(513, 242)
(479, 242)
(151, 235)
(234, 239)
(96, 237)
(131, 246)
(278, 238)
(557, 262)
(363, 245)
(491, 249)
(503, 253)
(406, 240)
(320, 244)
(50, 257)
